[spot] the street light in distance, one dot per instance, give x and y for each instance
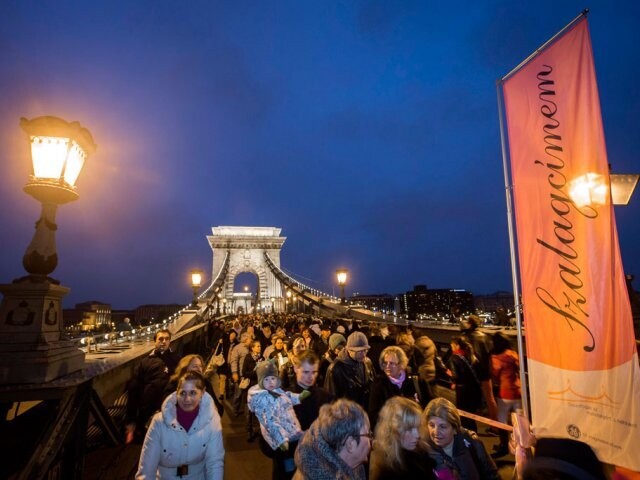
(196, 282)
(341, 276)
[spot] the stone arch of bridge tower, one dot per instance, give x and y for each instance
(258, 271)
(245, 248)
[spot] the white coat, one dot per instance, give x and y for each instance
(167, 445)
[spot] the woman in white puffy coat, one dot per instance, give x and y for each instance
(184, 440)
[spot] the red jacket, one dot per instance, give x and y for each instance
(505, 373)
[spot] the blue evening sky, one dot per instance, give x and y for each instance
(367, 130)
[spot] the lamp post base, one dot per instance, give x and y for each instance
(31, 347)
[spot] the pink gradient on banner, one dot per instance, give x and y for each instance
(576, 307)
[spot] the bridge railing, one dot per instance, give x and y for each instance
(217, 282)
(293, 282)
(94, 340)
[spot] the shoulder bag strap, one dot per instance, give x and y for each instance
(473, 372)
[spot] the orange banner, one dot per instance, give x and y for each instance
(583, 365)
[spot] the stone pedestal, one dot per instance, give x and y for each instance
(31, 348)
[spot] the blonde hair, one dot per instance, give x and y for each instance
(405, 338)
(398, 415)
(403, 361)
(183, 366)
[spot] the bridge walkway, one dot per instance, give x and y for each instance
(243, 460)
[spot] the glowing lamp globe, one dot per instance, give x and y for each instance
(59, 150)
(196, 278)
(341, 275)
(589, 189)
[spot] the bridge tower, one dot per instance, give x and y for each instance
(242, 249)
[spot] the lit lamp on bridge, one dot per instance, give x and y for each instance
(218, 299)
(273, 301)
(288, 300)
(32, 349)
(224, 306)
(196, 283)
(622, 187)
(593, 189)
(341, 275)
(246, 307)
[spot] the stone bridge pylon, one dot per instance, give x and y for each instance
(242, 249)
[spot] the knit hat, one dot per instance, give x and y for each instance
(266, 369)
(565, 455)
(357, 341)
(335, 340)
(315, 328)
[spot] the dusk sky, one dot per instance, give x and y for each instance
(367, 130)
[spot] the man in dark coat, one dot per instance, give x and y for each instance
(145, 389)
(351, 374)
(377, 344)
(323, 342)
(306, 374)
(482, 346)
(264, 335)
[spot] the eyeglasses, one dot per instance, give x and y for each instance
(369, 435)
(389, 364)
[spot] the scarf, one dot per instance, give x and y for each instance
(186, 419)
(398, 381)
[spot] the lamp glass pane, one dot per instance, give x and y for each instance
(75, 162)
(196, 279)
(48, 155)
(622, 187)
(589, 189)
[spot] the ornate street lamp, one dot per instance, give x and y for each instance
(196, 283)
(288, 301)
(273, 301)
(32, 348)
(218, 299)
(341, 275)
(59, 150)
(224, 306)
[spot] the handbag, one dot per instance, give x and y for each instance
(217, 359)
(244, 383)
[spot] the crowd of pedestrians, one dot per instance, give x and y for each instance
(315, 393)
